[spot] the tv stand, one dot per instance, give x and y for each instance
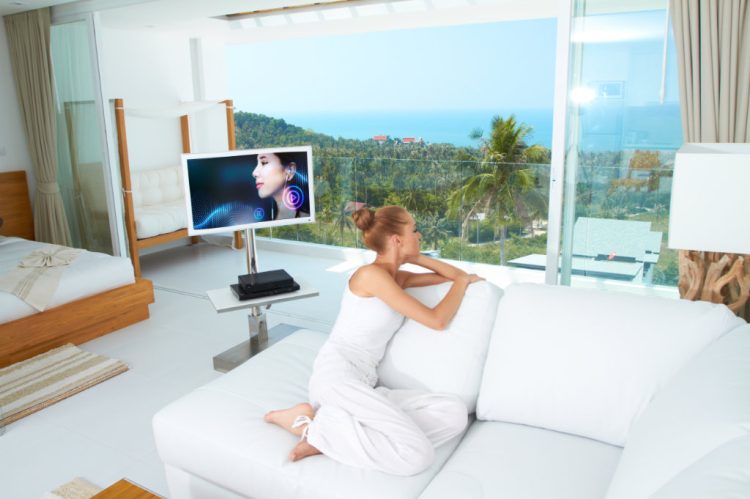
(224, 300)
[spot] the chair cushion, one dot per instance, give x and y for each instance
(507, 460)
(587, 362)
(217, 433)
(706, 405)
(448, 361)
(156, 187)
(154, 220)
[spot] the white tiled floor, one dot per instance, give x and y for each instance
(104, 433)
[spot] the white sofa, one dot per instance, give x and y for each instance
(578, 394)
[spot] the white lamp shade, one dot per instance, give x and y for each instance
(710, 190)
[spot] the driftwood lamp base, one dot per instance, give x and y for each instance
(716, 277)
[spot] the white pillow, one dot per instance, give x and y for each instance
(448, 361)
(723, 473)
(704, 406)
(587, 362)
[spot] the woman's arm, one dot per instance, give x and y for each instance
(407, 279)
(377, 282)
(439, 267)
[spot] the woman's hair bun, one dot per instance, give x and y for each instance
(364, 218)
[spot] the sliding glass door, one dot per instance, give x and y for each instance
(81, 159)
(623, 131)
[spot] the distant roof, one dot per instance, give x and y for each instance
(634, 239)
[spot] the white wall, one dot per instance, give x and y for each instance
(12, 136)
(152, 71)
(155, 70)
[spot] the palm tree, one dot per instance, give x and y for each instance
(342, 219)
(496, 189)
(433, 228)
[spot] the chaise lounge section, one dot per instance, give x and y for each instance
(577, 394)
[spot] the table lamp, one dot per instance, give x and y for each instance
(709, 222)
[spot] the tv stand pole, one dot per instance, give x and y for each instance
(256, 319)
(224, 300)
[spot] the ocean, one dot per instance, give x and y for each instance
(602, 128)
(435, 127)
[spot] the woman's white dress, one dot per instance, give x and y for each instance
(395, 431)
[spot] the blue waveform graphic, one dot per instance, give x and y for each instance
(301, 177)
(228, 214)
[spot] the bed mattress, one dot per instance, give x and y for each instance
(91, 273)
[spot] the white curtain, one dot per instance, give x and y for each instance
(29, 44)
(712, 38)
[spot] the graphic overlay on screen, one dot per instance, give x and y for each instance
(248, 189)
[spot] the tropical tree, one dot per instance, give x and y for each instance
(433, 228)
(342, 219)
(503, 176)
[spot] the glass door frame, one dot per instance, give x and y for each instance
(559, 141)
(111, 175)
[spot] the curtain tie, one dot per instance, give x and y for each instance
(48, 187)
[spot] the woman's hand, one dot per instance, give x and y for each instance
(471, 278)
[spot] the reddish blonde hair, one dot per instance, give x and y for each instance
(378, 225)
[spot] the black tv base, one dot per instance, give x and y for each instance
(242, 295)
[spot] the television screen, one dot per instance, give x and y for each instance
(248, 189)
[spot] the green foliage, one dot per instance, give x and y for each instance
(515, 247)
(445, 186)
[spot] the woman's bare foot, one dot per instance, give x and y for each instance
(285, 417)
(302, 450)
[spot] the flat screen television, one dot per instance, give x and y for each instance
(248, 189)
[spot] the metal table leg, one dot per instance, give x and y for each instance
(259, 340)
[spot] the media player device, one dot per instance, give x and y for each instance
(264, 281)
(245, 295)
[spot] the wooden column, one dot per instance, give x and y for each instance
(232, 144)
(185, 129)
(127, 194)
(716, 277)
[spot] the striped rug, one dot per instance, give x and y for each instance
(78, 488)
(36, 383)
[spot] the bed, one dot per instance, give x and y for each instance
(98, 294)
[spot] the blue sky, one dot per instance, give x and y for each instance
(483, 66)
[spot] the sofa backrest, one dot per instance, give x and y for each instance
(587, 362)
(154, 187)
(448, 361)
(692, 440)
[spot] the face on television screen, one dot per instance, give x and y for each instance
(248, 189)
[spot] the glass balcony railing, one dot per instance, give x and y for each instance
(496, 213)
(466, 210)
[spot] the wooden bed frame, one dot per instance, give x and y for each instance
(75, 322)
(135, 244)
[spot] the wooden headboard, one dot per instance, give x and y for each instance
(15, 207)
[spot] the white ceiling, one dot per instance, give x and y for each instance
(199, 17)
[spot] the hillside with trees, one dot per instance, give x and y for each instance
(486, 203)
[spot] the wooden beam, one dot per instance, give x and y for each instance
(127, 193)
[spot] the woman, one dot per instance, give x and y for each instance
(348, 419)
(282, 176)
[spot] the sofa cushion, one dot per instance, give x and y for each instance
(155, 187)
(217, 433)
(507, 460)
(724, 473)
(587, 362)
(154, 220)
(706, 405)
(448, 361)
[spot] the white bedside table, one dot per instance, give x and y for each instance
(224, 300)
